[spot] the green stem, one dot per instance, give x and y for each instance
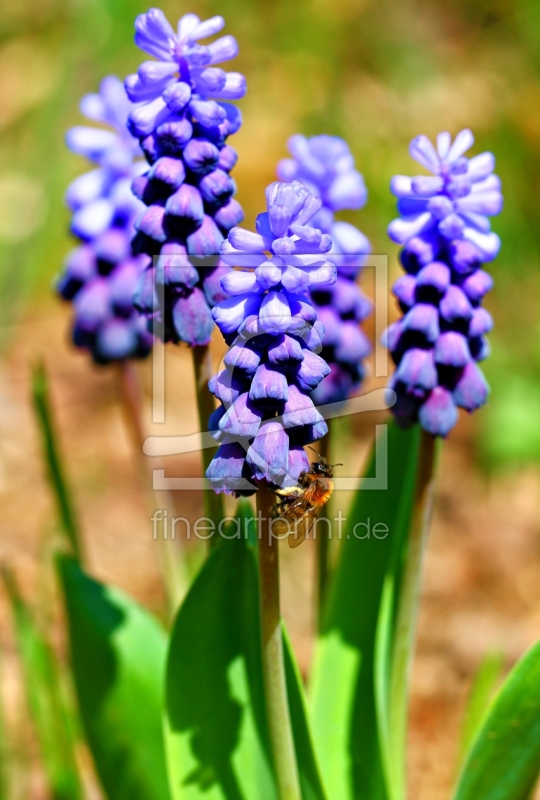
(202, 365)
(407, 609)
(277, 706)
(323, 538)
(171, 552)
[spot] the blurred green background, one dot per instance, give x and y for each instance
(375, 72)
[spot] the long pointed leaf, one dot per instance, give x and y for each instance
(118, 661)
(345, 725)
(480, 696)
(45, 700)
(42, 407)
(503, 762)
(216, 727)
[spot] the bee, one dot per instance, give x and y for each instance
(299, 506)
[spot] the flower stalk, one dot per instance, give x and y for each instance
(171, 555)
(202, 366)
(409, 601)
(277, 705)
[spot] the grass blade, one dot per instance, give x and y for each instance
(42, 408)
(45, 700)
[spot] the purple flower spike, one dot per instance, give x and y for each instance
(271, 326)
(446, 237)
(326, 166)
(101, 274)
(182, 118)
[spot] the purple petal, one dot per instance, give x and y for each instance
(434, 276)
(452, 227)
(438, 414)
(145, 118)
(238, 258)
(231, 313)
(452, 350)
(243, 357)
(226, 470)
(151, 223)
(312, 370)
(417, 371)
(243, 418)
(116, 339)
(481, 322)
(248, 241)
(268, 455)
(299, 410)
(93, 218)
(489, 244)
(207, 112)
(275, 313)
(353, 345)
(455, 305)
(285, 350)
(269, 387)
(424, 153)
(235, 87)
(206, 241)
(472, 389)
(404, 289)
(216, 187)
(223, 49)
(169, 171)
(200, 156)
(477, 285)
(400, 230)
(229, 215)
(423, 318)
(463, 141)
(347, 192)
(239, 282)
(192, 319)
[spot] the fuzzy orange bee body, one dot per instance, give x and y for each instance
(299, 506)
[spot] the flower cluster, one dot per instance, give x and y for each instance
(182, 122)
(326, 165)
(446, 235)
(271, 326)
(100, 275)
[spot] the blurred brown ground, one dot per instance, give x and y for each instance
(481, 590)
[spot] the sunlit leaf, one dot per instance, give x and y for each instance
(503, 761)
(216, 727)
(481, 693)
(118, 661)
(344, 714)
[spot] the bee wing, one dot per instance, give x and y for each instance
(306, 511)
(302, 528)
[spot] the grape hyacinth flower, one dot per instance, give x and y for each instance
(446, 237)
(326, 166)
(270, 324)
(182, 120)
(100, 275)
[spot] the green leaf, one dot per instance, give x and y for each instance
(346, 731)
(216, 727)
(118, 660)
(482, 691)
(45, 700)
(42, 408)
(503, 761)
